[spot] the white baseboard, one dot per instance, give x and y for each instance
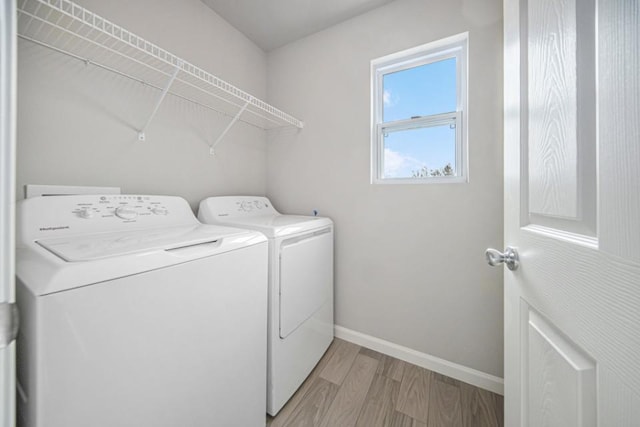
(427, 361)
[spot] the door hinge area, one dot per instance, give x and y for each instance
(9, 323)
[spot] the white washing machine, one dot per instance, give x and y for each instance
(300, 287)
(135, 314)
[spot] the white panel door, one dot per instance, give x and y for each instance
(572, 210)
(7, 203)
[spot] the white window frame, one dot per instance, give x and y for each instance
(450, 47)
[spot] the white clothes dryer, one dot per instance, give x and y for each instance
(135, 314)
(300, 287)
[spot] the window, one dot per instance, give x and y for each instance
(419, 114)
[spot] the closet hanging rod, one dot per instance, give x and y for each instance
(141, 81)
(70, 28)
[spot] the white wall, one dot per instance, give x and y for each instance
(409, 263)
(409, 259)
(76, 123)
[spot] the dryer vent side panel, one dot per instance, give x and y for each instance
(306, 278)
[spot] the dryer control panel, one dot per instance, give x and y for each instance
(237, 206)
(52, 216)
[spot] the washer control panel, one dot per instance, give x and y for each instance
(124, 207)
(46, 216)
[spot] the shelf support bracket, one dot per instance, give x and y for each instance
(229, 126)
(141, 135)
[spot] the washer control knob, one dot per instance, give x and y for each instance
(86, 213)
(159, 211)
(126, 213)
(247, 206)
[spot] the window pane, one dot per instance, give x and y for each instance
(420, 153)
(420, 91)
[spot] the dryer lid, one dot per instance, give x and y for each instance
(256, 213)
(277, 225)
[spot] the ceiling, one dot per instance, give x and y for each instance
(274, 23)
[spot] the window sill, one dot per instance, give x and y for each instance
(421, 181)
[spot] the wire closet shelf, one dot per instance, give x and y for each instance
(68, 28)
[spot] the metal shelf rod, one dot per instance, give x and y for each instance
(85, 19)
(114, 51)
(165, 90)
(139, 80)
(224, 132)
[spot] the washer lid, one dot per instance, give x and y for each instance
(52, 265)
(97, 246)
(277, 225)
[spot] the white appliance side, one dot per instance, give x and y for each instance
(7, 199)
(293, 358)
(208, 314)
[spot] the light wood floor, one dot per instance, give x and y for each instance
(355, 386)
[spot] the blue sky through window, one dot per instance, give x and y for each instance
(419, 91)
(410, 150)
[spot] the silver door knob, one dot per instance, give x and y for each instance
(509, 257)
